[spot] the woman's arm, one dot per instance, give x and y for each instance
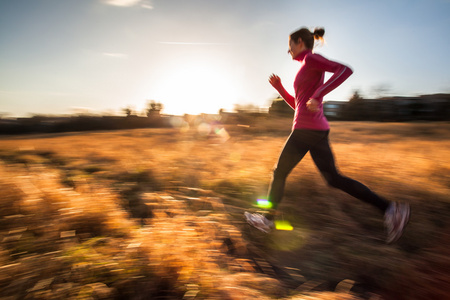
(275, 81)
(340, 74)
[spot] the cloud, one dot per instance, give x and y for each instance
(193, 43)
(147, 6)
(115, 55)
(128, 3)
(121, 2)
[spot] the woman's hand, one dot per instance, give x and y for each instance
(275, 81)
(313, 105)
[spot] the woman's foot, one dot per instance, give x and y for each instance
(395, 220)
(259, 222)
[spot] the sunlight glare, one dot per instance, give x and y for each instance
(197, 87)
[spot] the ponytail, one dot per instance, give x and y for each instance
(307, 36)
(319, 33)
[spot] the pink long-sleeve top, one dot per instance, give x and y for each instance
(309, 84)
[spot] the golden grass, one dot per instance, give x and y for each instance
(158, 212)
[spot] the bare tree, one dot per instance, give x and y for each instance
(154, 108)
(381, 90)
(128, 111)
(356, 96)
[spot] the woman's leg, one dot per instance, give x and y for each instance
(323, 158)
(294, 150)
(297, 145)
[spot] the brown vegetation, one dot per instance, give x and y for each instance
(157, 214)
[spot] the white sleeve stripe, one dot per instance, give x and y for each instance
(330, 82)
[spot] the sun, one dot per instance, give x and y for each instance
(197, 87)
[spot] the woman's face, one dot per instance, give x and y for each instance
(295, 48)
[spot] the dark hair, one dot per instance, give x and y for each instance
(307, 36)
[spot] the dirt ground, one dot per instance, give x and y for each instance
(158, 213)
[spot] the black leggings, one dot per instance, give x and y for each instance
(316, 142)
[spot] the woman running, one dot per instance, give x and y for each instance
(310, 134)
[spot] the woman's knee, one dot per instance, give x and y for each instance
(334, 180)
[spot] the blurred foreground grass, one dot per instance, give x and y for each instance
(157, 214)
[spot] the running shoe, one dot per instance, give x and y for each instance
(259, 222)
(395, 219)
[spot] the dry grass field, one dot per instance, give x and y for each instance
(157, 214)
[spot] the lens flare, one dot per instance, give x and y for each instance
(283, 225)
(263, 203)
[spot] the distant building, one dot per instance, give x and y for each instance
(434, 107)
(333, 109)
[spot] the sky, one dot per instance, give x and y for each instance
(198, 56)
